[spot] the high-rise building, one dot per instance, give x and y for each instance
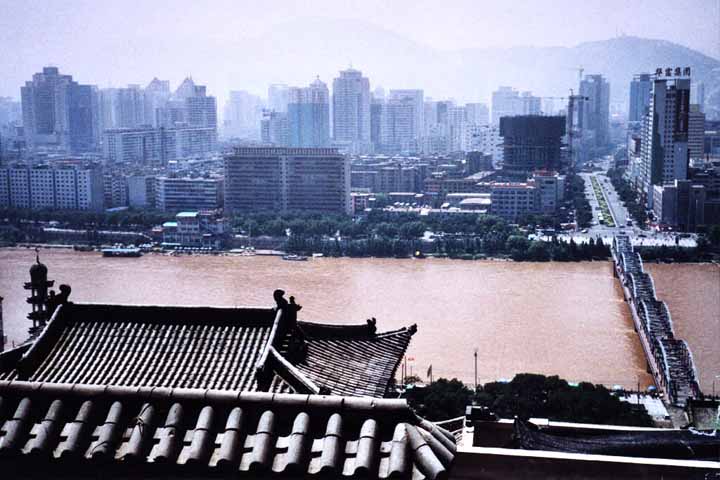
(531, 142)
(351, 110)
(398, 130)
(640, 89)
(530, 104)
(287, 179)
(504, 101)
(10, 111)
(278, 97)
(595, 118)
(243, 114)
(190, 106)
(697, 95)
(59, 112)
(696, 133)
(477, 113)
(68, 187)
(455, 128)
(122, 107)
(486, 139)
(155, 96)
(508, 102)
(274, 128)
(157, 146)
(309, 115)
(376, 109)
(664, 149)
(416, 98)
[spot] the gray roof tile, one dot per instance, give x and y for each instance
(51, 427)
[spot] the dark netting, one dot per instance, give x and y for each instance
(677, 444)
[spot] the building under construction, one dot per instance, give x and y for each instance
(532, 142)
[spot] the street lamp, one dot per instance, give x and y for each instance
(476, 370)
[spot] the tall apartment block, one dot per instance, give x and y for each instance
(59, 112)
(416, 98)
(640, 89)
(43, 187)
(696, 132)
(595, 117)
(398, 128)
(274, 128)
(278, 97)
(243, 113)
(157, 146)
(189, 105)
(351, 110)
(309, 116)
(122, 108)
(287, 179)
(508, 102)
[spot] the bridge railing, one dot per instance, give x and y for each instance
(657, 324)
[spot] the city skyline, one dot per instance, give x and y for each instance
(229, 58)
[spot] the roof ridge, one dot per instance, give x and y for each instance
(367, 328)
(293, 371)
(234, 397)
(162, 305)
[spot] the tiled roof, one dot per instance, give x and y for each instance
(143, 431)
(175, 347)
(352, 360)
(236, 349)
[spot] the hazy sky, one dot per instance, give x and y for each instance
(102, 41)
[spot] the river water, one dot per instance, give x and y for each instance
(692, 293)
(567, 319)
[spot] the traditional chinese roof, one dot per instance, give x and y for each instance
(236, 349)
(147, 431)
(352, 360)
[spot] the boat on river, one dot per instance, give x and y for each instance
(295, 258)
(121, 252)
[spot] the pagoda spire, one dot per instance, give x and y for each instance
(39, 286)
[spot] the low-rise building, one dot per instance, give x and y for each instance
(174, 194)
(680, 206)
(141, 191)
(513, 200)
(550, 189)
(196, 229)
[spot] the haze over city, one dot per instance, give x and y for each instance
(230, 45)
(407, 240)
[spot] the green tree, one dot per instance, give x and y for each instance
(441, 400)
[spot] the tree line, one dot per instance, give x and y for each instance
(528, 396)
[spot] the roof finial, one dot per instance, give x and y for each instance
(37, 255)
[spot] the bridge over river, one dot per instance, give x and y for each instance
(669, 358)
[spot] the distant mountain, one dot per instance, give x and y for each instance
(297, 51)
(550, 70)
